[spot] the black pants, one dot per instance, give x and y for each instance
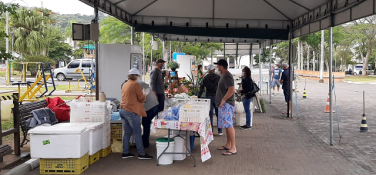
(161, 99)
(146, 122)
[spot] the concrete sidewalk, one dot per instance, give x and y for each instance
(275, 145)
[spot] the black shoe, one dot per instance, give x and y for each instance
(243, 126)
(125, 156)
(246, 127)
(145, 156)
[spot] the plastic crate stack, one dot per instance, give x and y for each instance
(69, 148)
(195, 110)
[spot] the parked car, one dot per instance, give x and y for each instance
(68, 71)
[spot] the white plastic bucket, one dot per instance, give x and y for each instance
(180, 148)
(166, 159)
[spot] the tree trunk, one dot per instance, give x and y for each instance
(299, 50)
(365, 63)
(313, 61)
(322, 57)
(301, 55)
(308, 57)
(327, 65)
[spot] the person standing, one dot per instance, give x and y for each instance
(157, 83)
(199, 73)
(225, 101)
(210, 82)
(285, 86)
(131, 109)
(151, 108)
(276, 74)
(247, 87)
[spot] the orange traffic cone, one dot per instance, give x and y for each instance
(327, 110)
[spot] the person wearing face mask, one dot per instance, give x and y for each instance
(247, 87)
(131, 108)
(157, 83)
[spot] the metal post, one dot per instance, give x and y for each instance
(251, 57)
(170, 52)
(330, 82)
(132, 35)
(163, 51)
(224, 52)
(236, 56)
(7, 32)
(289, 113)
(211, 56)
(260, 65)
(96, 4)
(151, 51)
(16, 125)
(270, 72)
(143, 54)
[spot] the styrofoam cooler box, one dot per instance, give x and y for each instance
(59, 141)
(95, 135)
(106, 139)
(89, 112)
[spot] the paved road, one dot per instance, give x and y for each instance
(356, 147)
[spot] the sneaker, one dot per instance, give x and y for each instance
(243, 126)
(125, 156)
(220, 133)
(145, 156)
(246, 127)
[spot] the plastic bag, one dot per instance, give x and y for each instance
(117, 146)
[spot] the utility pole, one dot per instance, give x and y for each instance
(322, 57)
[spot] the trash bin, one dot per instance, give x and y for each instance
(165, 159)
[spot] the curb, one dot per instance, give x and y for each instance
(24, 168)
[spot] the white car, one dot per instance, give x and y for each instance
(68, 71)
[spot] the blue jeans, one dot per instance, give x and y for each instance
(131, 124)
(213, 107)
(247, 109)
(146, 122)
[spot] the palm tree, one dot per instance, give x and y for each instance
(30, 33)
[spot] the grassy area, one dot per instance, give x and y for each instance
(362, 79)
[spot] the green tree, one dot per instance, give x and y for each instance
(114, 31)
(31, 35)
(11, 9)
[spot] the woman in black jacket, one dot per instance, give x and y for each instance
(247, 87)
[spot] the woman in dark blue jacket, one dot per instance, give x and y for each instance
(247, 87)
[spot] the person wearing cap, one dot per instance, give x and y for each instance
(210, 82)
(132, 108)
(157, 83)
(225, 101)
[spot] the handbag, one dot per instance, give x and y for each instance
(254, 90)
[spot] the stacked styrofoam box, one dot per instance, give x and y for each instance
(106, 141)
(95, 135)
(88, 112)
(59, 141)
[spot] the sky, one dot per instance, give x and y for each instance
(59, 6)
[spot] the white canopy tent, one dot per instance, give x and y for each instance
(236, 21)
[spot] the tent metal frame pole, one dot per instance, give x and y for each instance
(236, 56)
(96, 4)
(151, 51)
(224, 51)
(331, 73)
(289, 113)
(330, 83)
(270, 71)
(132, 35)
(251, 57)
(260, 67)
(143, 54)
(163, 51)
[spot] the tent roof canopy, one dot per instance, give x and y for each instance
(234, 19)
